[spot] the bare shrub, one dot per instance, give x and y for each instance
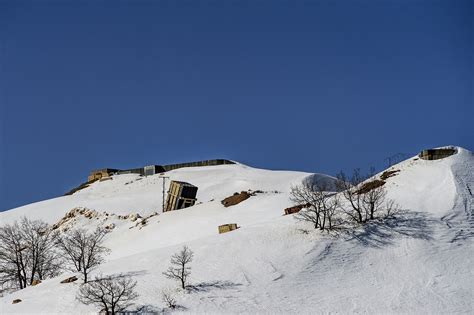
(179, 269)
(112, 293)
(168, 297)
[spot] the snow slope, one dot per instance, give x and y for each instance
(420, 262)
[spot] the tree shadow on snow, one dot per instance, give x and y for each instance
(149, 309)
(382, 233)
(208, 286)
(129, 274)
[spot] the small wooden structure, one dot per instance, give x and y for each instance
(436, 154)
(180, 195)
(227, 227)
(101, 173)
(295, 209)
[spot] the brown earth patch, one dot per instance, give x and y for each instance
(69, 280)
(388, 174)
(236, 198)
(368, 186)
(295, 209)
(80, 187)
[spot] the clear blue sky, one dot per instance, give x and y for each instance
(315, 86)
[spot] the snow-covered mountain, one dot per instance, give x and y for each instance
(421, 262)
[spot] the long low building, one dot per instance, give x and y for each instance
(153, 169)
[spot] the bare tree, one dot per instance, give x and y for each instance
(321, 204)
(83, 250)
(349, 190)
(179, 269)
(13, 258)
(372, 201)
(112, 293)
(42, 255)
(366, 195)
(27, 253)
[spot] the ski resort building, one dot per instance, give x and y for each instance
(180, 195)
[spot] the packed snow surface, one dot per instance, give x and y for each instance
(419, 262)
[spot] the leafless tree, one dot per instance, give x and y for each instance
(83, 250)
(373, 201)
(320, 203)
(27, 253)
(13, 257)
(349, 190)
(43, 257)
(112, 293)
(168, 297)
(366, 195)
(179, 269)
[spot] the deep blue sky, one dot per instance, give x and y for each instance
(316, 86)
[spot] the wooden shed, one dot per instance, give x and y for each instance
(180, 195)
(101, 173)
(227, 227)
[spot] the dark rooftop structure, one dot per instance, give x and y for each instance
(436, 154)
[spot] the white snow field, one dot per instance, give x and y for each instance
(422, 262)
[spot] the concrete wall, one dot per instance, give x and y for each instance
(436, 154)
(198, 163)
(98, 174)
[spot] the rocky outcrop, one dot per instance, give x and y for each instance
(236, 199)
(35, 282)
(69, 280)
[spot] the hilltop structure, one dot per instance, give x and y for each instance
(436, 154)
(152, 169)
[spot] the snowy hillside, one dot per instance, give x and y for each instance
(420, 262)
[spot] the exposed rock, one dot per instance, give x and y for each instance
(69, 280)
(295, 209)
(236, 199)
(134, 217)
(16, 301)
(71, 216)
(109, 227)
(35, 282)
(388, 174)
(368, 186)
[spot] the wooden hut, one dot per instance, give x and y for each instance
(101, 173)
(227, 227)
(180, 195)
